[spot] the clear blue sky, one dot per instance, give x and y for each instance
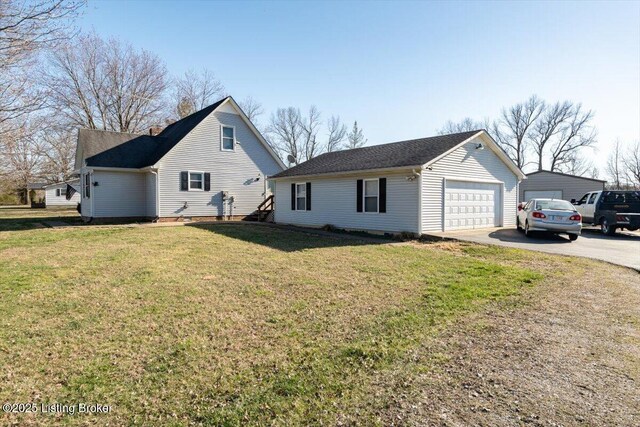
(401, 69)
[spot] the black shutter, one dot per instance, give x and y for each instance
(359, 196)
(57, 192)
(293, 196)
(382, 189)
(207, 181)
(184, 181)
(308, 196)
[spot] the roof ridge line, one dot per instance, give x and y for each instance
(406, 140)
(112, 131)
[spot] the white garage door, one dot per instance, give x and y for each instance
(548, 194)
(471, 205)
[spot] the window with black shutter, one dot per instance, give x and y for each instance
(382, 190)
(184, 181)
(301, 197)
(371, 195)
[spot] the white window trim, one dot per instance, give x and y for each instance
(304, 184)
(364, 196)
(222, 138)
(189, 181)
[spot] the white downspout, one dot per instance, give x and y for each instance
(157, 212)
(420, 202)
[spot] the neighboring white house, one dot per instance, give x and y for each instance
(558, 186)
(212, 163)
(447, 182)
(55, 195)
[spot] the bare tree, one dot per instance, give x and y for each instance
(310, 126)
(615, 167)
(355, 138)
(58, 145)
(285, 133)
(576, 133)
(26, 27)
(21, 158)
(632, 165)
(106, 85)
(197, 90)
(336, 134)
(512, 130)
(465, 125)
(292, 134)
(252, 108)
(548, 126)
(577, 164)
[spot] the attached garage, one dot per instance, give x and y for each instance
(469, 204)
(441, 183)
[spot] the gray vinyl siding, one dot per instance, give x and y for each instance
(571, 187)
(333, 201)
(52, 200)
(150, 188)
(119, 194)
(466, 162)
(235, 171)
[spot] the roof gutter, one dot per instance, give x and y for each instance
(106, 168)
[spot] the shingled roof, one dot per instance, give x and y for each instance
(415, 152)
(127, 150)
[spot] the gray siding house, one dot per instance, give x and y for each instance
(55, 195)
(448, 182)
(557, 186)
(212, 164)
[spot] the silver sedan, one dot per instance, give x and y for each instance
(551, 215)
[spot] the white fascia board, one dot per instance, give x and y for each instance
(104, 168)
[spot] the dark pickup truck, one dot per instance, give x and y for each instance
(611, 210)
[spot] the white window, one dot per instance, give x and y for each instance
(87, 185)
(228, 142)
(371, 195)
(196, 181)
(301, 197)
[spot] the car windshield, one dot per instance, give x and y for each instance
(554, 205)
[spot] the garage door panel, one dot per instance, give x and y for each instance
(471, 205)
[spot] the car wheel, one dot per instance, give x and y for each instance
(606, 228)
(527, 232)
(573, 237)
(518, 226)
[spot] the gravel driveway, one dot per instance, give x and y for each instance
(622, 249)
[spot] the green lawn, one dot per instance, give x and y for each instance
(14, 218)
(232, 324)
